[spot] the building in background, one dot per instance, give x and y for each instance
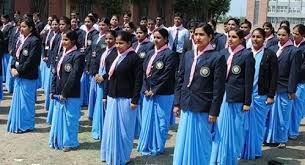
(150, 8)
(6, 6)
(274, 11)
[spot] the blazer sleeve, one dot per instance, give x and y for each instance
(10, 42)
(296, 59)
(74, 76)
(221, 43)
(273, 67)
(34, 57)
(108, 63)
(180, 80)
(138, 75)
(219, 85)
(2, 44)
(169, 69)
(13, 62)
(53, 84)
(249, 77)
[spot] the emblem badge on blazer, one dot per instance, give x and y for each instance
(142, 54)
(159, 65)
(25, 52)
(16, 63)
(68, 67)
(93, 54)
(236, 69)
(89, 42)
(204, 71)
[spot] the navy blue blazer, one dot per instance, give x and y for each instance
(126, 80)
(55, 51)
(117, 29)
(2, 47)
(289, 63)
(97, 51)
(268, 74)
(48, 50)
(13, 40)
(144, 49)
(89, 49)
(208, 86)
(219, 41)
(29, 60)
(108, 62)
(6, 34)
(302, 70)
(188, 45)
(133, 38)
(71, 69)
(162, 79)
(271, 42)
(80, 39)
(239, 84)
(39, 26)
(2, 44)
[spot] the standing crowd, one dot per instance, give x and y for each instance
(233, 91)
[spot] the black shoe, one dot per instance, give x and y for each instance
(274, 162)
(68, 149)
(293, 137)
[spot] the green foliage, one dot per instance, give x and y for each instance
(202, 9)
(218, 8)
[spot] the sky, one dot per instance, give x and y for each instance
(238, 8)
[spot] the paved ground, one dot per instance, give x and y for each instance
(32, 148)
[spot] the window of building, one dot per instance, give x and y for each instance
(272, 9)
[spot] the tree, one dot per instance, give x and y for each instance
(202, 9)
(40, 6)
(216, 10)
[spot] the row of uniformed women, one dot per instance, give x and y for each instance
(123, 91)
(121, 73)
(274, 125)
(249, 85)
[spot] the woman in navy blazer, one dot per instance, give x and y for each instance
(229, 138)
(289, 62)
(199, 94)
(55, 49)
(298, 108)
(270, 38)
(264, 87)
(142, 47)
(65, 92)
(87, 49)
(123, 87)
(158, 85)
(98, 47)
(25, 67)
(100, 79)
(14, 37)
